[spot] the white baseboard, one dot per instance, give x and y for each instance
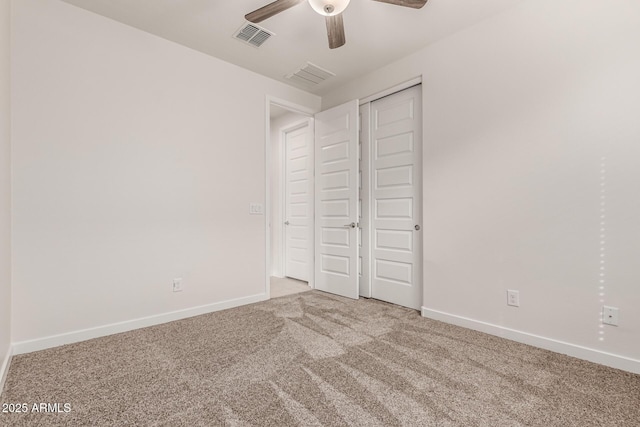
(580, 352)
(115, 328)
(4, 368)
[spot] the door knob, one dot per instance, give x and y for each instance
(286, 223)
(417, 227)
(352, 225)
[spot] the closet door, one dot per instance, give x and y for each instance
(396, 198)
(336, 198)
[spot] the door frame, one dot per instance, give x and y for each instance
(269, 170)
(282, 135)
(393, 89)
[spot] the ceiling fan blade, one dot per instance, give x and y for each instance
(335, 31)
(416, 4)
(269, 10)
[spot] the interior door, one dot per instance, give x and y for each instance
(396, 193)
(298, 215)
(336, 198)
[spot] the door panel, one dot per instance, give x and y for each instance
(298, 214)
(336, 198)
(396, 192)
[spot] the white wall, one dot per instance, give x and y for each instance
(277, 157)
(526, 115)
(135, 160)
(5, 186)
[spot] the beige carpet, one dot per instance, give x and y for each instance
(314, 359)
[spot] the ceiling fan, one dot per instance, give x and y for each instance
(330, 9)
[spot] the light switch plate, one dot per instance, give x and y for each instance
(256, 209)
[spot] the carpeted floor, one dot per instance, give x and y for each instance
(315, 359)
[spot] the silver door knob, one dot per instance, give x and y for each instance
(352, 225)
(417, 227)
(286, 223)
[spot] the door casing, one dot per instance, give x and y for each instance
(269, 172)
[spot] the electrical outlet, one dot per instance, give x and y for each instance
(610, 315)
(513, 298)
(177, 284)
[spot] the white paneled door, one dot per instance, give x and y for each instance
(336, 198)
(396, 201)
(298, 214)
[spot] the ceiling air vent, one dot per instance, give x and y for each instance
(309, 75)
(252, 34)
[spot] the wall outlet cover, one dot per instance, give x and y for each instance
(513, 298)
(610, 315)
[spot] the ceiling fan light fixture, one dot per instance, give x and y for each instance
(329, 7)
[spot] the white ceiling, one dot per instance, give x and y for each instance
(377, 33)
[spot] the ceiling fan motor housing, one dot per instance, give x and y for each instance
(329, 7)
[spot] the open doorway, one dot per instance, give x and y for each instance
(291, 197)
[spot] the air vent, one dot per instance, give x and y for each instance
(309, 75)
(252, 35)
